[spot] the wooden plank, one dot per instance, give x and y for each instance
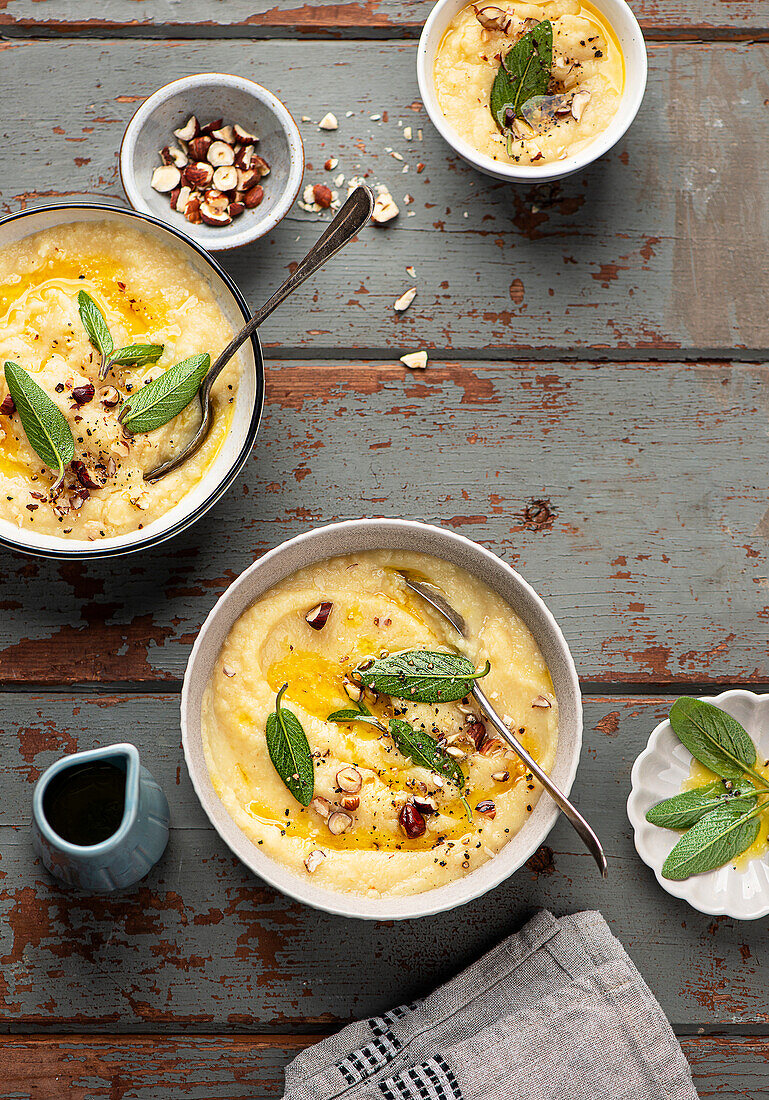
(260, 18)
(203, 945)
(219, 1067)
(635, 254)
(650, 543)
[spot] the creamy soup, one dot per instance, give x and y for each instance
(149, 294)
(357, 833)
(585, 81)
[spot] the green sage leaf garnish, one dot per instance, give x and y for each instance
(290, 752)
(716, 839)
(720, 817)
(136, 355)
(424, 750)
(45, 426)
(355, 716)
(154, 405)
(523, 73)
(684, 810)
(712, 736)
(417, 744)
(422, 675)
(96, 327)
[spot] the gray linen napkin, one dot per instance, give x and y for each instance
(556, 1012)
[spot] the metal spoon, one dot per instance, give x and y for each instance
(348, 222)
(437, 600)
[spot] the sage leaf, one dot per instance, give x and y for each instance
(523, 73)
(684, 810)
(136, 355)
(715, 738)
(96, 327)
(290, 752)
(716, 839)
(45, 426)
(417, 744)
(422, 675)
(356, 716)
(424, 750)
(154, 405)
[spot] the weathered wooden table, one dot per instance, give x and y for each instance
(595, 410)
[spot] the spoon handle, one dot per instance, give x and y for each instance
(347, 223)
(592, 842)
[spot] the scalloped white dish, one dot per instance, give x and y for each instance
(659, 772)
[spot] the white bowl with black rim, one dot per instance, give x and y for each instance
(356, 536)
(248, 404)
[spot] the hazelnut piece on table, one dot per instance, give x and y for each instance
(322, 195)
(385, 208)
(415, 360)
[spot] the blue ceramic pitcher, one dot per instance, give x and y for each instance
(134, 845)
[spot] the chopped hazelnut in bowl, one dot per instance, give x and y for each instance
(216, 156)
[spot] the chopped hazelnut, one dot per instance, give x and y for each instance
(349, 780)
(220, 154)
(339, 822)
(322, 806)
(314, 860)
(385, 208)
(188, 131)
(253, 197)
(317, 616)
(166, 178)
(405, 299)
(322, 195)
(578, 104)
(415, 360)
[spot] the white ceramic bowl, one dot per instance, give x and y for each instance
(209, 96)
(352, 537)
(658, 773)
(625, 24)
(248, 405)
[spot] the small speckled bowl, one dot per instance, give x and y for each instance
(658, 773)
(209, 96)
(353, 537)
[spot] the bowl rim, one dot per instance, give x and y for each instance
(286, 880)
(259, 227)
(636, 813)
(532, 173)
(85, 554)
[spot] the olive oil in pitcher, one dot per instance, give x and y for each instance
(84, 804)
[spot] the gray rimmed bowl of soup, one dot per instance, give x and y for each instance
(357, 801)
(530, 92)
(150, 288)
